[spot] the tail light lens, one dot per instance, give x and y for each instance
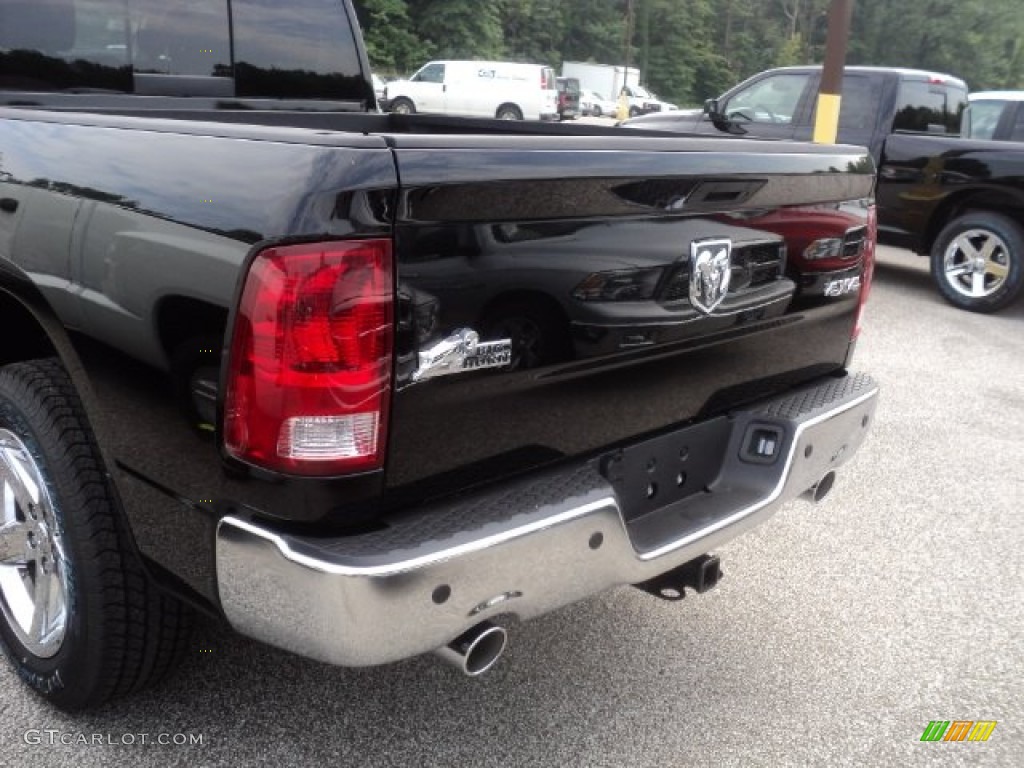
(870, 240)
(310, 368)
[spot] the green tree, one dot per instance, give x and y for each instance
(458, 29)
(978, 40)
(689, 50)
(680, 47)
(595, 31)
(534, 30)
(392, 46)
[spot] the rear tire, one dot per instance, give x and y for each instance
(403, 106)
(977, 261)
(509, 112)
(595, 111)
(79, 619)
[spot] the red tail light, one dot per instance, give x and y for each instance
(870, 240)
(310, 368)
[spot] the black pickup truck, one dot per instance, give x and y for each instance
(959, 201)
(368, 386)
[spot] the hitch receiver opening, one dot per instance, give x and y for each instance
(700, 574)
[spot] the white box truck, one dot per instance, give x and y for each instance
(606, 79)
(609, 80)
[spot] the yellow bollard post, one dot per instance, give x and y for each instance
(622, 109)
(826, 120)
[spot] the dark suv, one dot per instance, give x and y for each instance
(568, 98)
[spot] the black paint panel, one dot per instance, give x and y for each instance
(135, 233)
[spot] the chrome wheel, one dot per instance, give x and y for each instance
(33, 567)
(976, 263)
(80, 620)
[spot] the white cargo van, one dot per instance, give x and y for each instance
(500, 89)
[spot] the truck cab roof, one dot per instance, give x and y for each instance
(996, 95)
(905, 73)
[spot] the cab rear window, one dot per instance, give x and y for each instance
(929, 107)
(64, 45)
(301, 49)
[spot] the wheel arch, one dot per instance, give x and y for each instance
(510, 105)
(25, 337)
(402, 99)
(993, 200)
(523, 296)
(181, 318)
(33, 330)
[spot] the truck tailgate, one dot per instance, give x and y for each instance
(640, 284)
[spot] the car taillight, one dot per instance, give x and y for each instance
(309, 372)
(870, 240)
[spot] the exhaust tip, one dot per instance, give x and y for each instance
(822, 488)
(476, 650)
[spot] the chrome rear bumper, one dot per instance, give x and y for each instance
(530, 547)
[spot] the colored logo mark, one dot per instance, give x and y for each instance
(958, 730)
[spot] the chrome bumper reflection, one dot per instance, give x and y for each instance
(525, 550)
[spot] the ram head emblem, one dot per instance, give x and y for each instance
(710, 270)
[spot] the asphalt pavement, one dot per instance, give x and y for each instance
(838, 633)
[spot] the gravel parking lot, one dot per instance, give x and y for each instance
(839, 631)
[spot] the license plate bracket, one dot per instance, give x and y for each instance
(659, 471)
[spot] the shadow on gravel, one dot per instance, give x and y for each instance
(907, 278)
(911, 277)
(257, 705)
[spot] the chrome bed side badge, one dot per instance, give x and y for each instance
(462, 351)
(710, 270)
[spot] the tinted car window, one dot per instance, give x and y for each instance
(860, 104)
(298, 49)
(1017, 134)
(929, 107)
(773, 99)
(64, 44)
(981, 118)
(189, 38)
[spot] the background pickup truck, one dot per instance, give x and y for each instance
(960, 202)
(368, 386)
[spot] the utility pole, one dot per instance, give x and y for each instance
(826, 123)
(622, 111)
(630, 11)
(645, 37)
